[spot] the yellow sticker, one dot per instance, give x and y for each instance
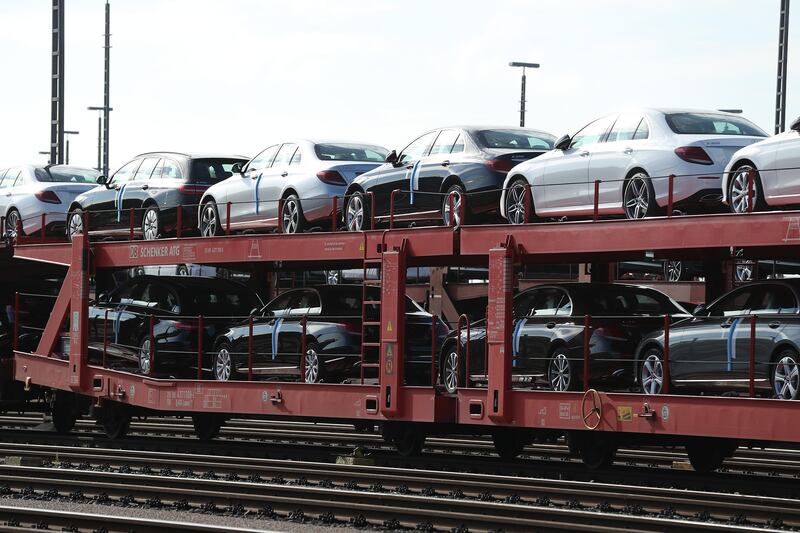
(624, 414)
(389, 327)
(361, 247)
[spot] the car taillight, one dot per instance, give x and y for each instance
(500, 165)
(693, 154)
(331, 177)
(47, 196)
(186, 326)
(441, 329)
(193, 190)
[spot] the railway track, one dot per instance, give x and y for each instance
(384, 497)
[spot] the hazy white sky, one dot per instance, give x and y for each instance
(236, 75)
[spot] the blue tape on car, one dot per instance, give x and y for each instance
(732, 343)
(275, 331)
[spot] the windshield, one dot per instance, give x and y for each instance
(65, 175)
(213, 170)
(220, 302)
(516, 139)
(711, 124)
(351, 152)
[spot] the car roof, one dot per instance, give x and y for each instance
(195, 155)
(191, 282)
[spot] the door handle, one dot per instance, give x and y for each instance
(628, 151)
(284, 174)
(254, 177)
(409, 167)
(8, 194)
(726, 324)
(446, 163)
(550, 325)
(775, 325)
(584, 154)
(145, 187)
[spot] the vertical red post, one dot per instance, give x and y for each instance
(44, 225)
(671, 185)
(105, 339)
(228, 218)
(78, 313)
(371, 210)
(392, 338)
(596, 200)
(179, 223)
(528, 196)
(462, 208)
(750, 195)
(16, 321)
(131, 217)
(18, 229)
(280, 215)
(250, 349)
(200, 331)
(434, 318)
(303, 346)
(587, 333)
(752, 361)
(665, 377)
(452, 221)
(86, 223)
(152, 346)
(498, 330)
(391, 209)
(334, 217)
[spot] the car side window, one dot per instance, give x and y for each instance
(307, 304)
(264, 159)
(10, 178)
(146, 169)
(124, 294)
(18, 181)
(171, 170)
(159, 297)
(417, 149)
(547, 302)
(624, 128)
(2, 174)
(445, 142)
(733, 304)
(281, 305)
(772, 300)
(642, 130)
(126, 172)
(284, 155)
(523, 303)
(592, 133)
(297, 158)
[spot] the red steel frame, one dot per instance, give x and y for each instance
(498, 404)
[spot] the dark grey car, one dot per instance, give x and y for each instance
(710, 352)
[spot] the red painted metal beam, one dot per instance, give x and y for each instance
(78, 280)
(393, 314)
(499, 320)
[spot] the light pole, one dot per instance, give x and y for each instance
(47, 154)
(99, 133)
(522, 97)
(67, 133)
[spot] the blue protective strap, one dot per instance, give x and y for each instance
(118, 201)
(732, 343)
(258, 182)
(275, 331)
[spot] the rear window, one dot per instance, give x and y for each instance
(208, 171)
(630, 301)
(711, 124)
(66, 175)
(351, 152)
(516, 139)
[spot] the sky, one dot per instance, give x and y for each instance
(235, 76)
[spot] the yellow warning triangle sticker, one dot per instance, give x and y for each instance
(389, 327)
(361, 247)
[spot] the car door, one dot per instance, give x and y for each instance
(272, 182)
(533, 335)
(289, 334)
(771, 307)
(787, 165)
(105, 203)
(9, 177)
(708, 349)
(610, 160)
(137, 190)
(566, 176)
(440, 163)
(264, 332)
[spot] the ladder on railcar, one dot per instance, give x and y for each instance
(370, 318)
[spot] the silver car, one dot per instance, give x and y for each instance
(775, 164)
(632, 153)
(304, 174)
(29, 191)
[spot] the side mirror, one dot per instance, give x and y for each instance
(254, 311)
(700, 310)
(563, 142)
(102, 180)
(176, 309)
(795, 125)
(236, 168)
(392, 157)
(102, 297)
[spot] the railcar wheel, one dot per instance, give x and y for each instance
(207, 426)
(407, 439)
(115, 419)
(509, 444)
(63, 411)
(706, 455)
(596, 451)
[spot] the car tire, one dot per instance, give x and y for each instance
(292, 219)
(357, 212)
(785, 375)
(675, 271)
(182, 270)
(74, 223)
(143, 356)
(738, 189)
(13, 219)
(459, 196)
(223, 366)
(638, 197)
(452, 372)
(151, 224)
(651, 372)
(516, 202)
(561, 372)
(210, 224)
(313, 369)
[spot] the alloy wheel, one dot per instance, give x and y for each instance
(739, 193)
(332, 277)
(637, 197)
(150, 225)
(673, 270)
(312, 367)
(786, 378)
(208, 221)
(652, 375)
(354, 216)
(223, 365)
(559, 373)
(291, 216)
(456, 196)
(13, 222)
(744, 271)
(144, 357)
(450, 372)
(515, 203)
(75, 226)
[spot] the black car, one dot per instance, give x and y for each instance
(548, 336)
(439, 164)
(710, 352)
(119, 322)
(333, 338)
(153, 185)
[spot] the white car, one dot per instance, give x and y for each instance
(305, 174)
(28, 191)
(775, 165)
(632, 153)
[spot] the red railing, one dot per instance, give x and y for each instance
(465, 320)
